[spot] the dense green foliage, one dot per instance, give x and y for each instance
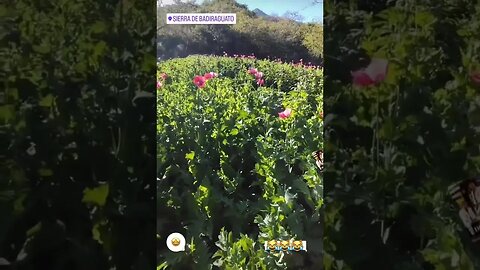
(232, 173)
(77, 158)
(265, 37)
(393, 148)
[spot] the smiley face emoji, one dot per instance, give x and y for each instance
(297, 245)
(272, 245)
(175, 242)
(284, 245)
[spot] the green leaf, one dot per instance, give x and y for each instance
(96, 235)
(148, 62)
(13, 94)
(33, 230)
(100, 48)
(99, 27)
(393, 72)
(458, 146)
(96, 196)
(43, 48)
(45, 172)
(18, 204)
(424, 18)
(190, 156)
(46, 101)
(3, 11)
(7, 112)
(20, 125)
(387, 130)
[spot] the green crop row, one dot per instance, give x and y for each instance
(232, 173)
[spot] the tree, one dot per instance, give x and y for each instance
(313, 39)
(293, 15)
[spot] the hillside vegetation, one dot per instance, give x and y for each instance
(265, 37)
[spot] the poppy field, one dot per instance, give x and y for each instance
(235, 137)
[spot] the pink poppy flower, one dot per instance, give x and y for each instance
(159, 84)
(374, 73)
(164, 76)
(252, 71)
(260, 82)
(199, 81)
(210, 75)
(360, 78)
(285, 114)
(258, 75)
(475, 77)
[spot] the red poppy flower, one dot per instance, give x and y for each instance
(199, 81)
(210, 75)
(374, 73)
(252, 71)
(285, 114)
(360, 78)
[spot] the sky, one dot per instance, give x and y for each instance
(278, 7)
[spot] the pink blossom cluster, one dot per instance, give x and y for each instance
(200, 81)
(160, 82)
(258, 76)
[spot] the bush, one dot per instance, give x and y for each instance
(232, 173)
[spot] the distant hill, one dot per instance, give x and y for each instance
(260, 13)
